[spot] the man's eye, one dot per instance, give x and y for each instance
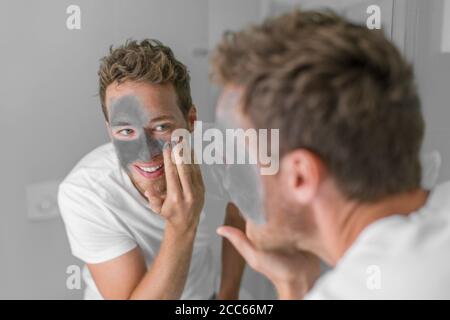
(126, 132)
(161, 127)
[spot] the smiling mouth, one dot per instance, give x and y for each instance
(150, 172)
(150, 169)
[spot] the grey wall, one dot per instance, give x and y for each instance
(433, 77)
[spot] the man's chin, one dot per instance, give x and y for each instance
(267, 241)
(155, 188)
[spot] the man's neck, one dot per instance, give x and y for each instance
(352, 218)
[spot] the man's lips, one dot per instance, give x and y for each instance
(150, 171)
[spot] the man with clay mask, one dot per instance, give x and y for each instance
(349, 189)
(142, 222)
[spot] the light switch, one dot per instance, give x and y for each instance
(42, 203)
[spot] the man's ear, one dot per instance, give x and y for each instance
(191, 117)
(303, 171)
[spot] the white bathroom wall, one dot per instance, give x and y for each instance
(231, 15)
(432, 67)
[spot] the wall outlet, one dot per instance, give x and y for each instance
(42, 200)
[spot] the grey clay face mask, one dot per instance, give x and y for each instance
(242, 181)
(128, 111)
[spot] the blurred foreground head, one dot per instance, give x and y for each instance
(345, 102)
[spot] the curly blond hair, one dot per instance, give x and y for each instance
(146, 61)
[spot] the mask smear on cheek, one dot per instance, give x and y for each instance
(244, 187)
(128, 111)
(241, 180)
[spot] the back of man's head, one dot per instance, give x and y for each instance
(335, 88)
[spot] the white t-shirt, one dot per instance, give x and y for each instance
(399, 257)
(105, 216)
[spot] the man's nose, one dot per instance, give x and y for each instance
(154, 146)
(144, 152)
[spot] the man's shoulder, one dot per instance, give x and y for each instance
(94, 169)
(388, 259)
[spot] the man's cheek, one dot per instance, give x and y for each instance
(127, 152)
(143, 149)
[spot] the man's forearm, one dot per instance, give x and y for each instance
(167, 275)
(233, 263)
(232, 270)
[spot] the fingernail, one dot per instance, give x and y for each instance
(167, 145)
(220, 231)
